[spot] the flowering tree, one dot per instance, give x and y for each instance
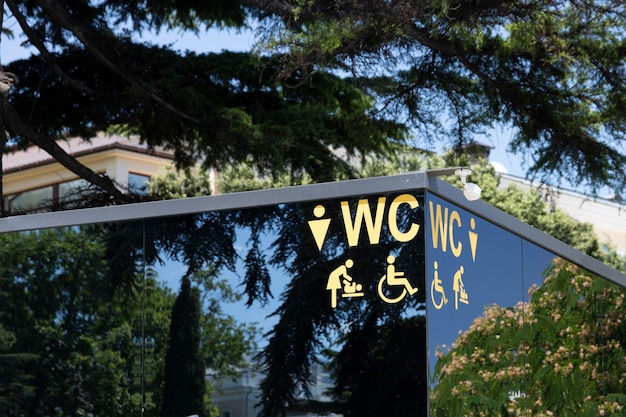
(560, 354)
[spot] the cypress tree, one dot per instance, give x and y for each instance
(184, 386)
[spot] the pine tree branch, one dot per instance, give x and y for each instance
(59, 14)
(14, 125)
(45, 53)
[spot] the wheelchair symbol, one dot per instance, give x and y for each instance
(394, 278)
(438, 288)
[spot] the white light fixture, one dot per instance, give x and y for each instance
(471, 191)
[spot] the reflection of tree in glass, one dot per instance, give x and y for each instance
(71, 338)
(184, 383)
(56, 312)
(380, 370)
(307, 323)
(562, 353)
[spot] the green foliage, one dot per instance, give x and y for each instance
(15, 385)
(71, 343)
(355, 75)
(562, 353)
(550, 70)
(169, 185)
(180, 14)
(185, 385)
(402, 160)
(53, 281)
(243, 177)
(224, 341)
(212, 109)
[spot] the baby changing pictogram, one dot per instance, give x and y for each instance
(340, 279)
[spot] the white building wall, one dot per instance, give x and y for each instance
(607, 217)
(240, 397)
(114, 156)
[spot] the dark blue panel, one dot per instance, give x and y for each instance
(470, 264)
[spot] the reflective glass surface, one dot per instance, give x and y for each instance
(331, 318)
(512, 329)
(395, 304)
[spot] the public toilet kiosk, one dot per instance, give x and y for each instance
(413, 296)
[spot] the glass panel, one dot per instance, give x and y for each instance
(383, 305)
(138, 183)
(473, 268)
(522, 333)
(574, 336)
(97, 318)
(26, 201)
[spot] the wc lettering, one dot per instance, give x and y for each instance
(373, 220)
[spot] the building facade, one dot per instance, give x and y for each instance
(32, 178)
(240, 396)
(608, 217)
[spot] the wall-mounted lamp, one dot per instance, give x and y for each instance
(471, 191)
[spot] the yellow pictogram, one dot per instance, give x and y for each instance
(460, 294)
(364, 224)
(319, 227)
(446, 226)
(437, 287)
(394, 278)
(340, 279)
(473, 238)
(447, 236)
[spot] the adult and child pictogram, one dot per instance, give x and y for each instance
(340, 279)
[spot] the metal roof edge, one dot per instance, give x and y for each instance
(305, 193)
(239, 200)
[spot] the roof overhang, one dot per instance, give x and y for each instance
(422, 180)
